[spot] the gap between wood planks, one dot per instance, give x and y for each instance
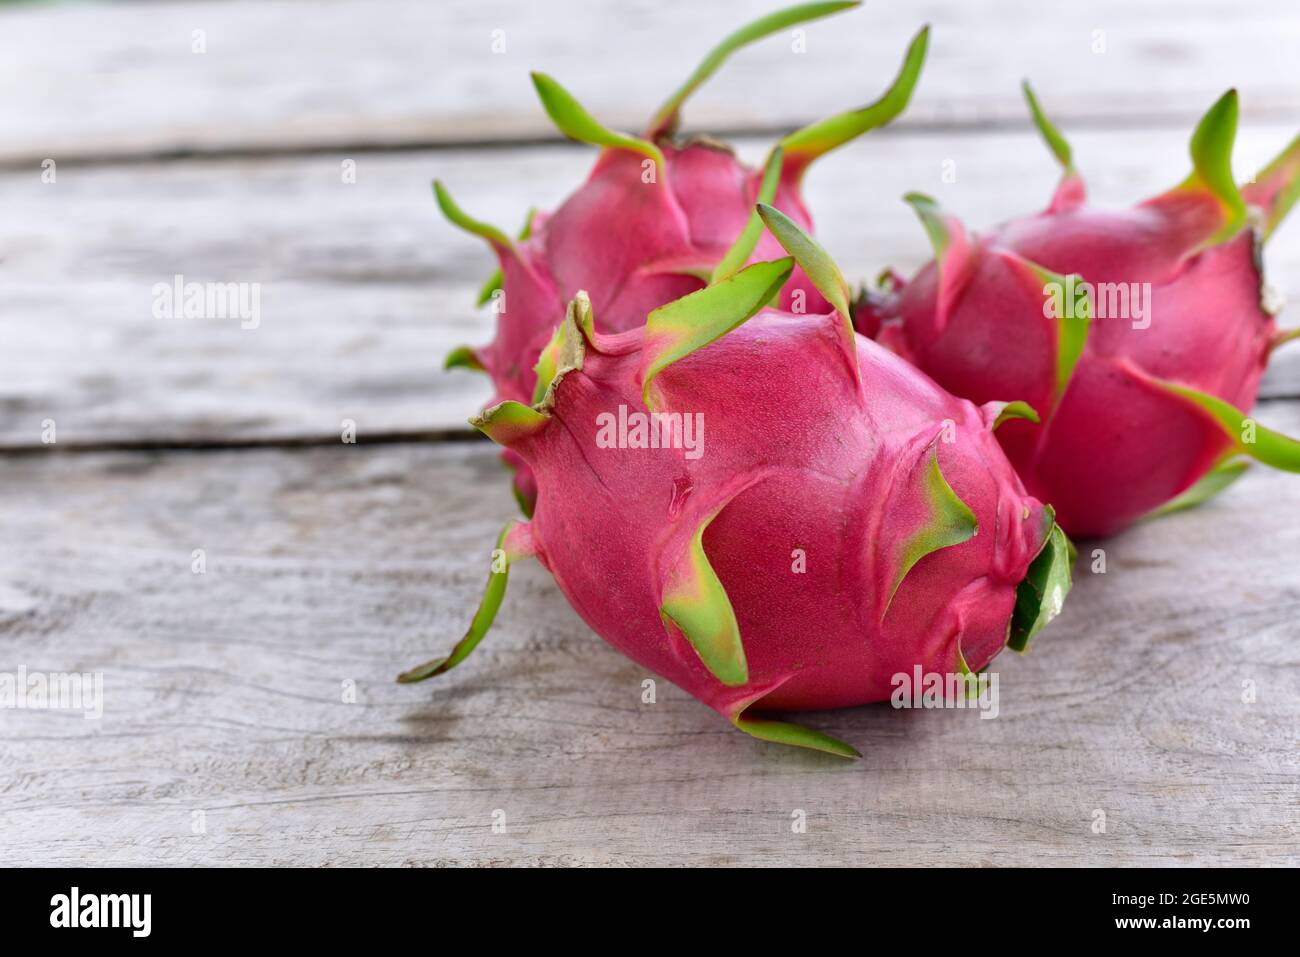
(388, 437)
(285, 442)
(1091, 122)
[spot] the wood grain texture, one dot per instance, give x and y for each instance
(223, 692)
(365, 287)
(95, 80)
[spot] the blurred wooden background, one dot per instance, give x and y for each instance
(331, 564)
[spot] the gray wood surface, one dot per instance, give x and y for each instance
(90, 80)
(227, 735)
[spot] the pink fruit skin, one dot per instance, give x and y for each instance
(1117, 445)
(633, 246)
(797, 455)
(627, 242)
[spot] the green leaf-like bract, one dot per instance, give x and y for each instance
(468, 223)
(1211, 150)
(681, 327)
(512, 544)
(1281, 181)
(950, 522)
(1041, 595)
(1015, 410)
(1207, 487)
(463, 357)
(509, 422)
(1072, 330)
(818, 139)
(497, 279)
(696, 603)
(493, 283)
(548, 363)
(809, 254)
(576, 123)
(1271, 448)
(954, 257)
(821, 269)
(743, 247)
(1283, 337)
(932, 221)
(971, 685)
(785, 732)
(1057, 143)
(666, 117)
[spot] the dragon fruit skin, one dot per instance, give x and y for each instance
(661, 246)
(655, 219)
(1138, 414)
(915, 534)
(845, 494)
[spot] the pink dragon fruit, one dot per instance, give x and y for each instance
(846, 521)
(657, 218)
(1138, 335)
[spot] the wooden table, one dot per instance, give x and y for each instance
(250, 715)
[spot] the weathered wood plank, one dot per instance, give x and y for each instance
(223, 692)
(364, 287)
(106, 80)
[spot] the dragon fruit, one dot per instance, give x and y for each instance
(1138, 336)
(658, 217)
(846, 520)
